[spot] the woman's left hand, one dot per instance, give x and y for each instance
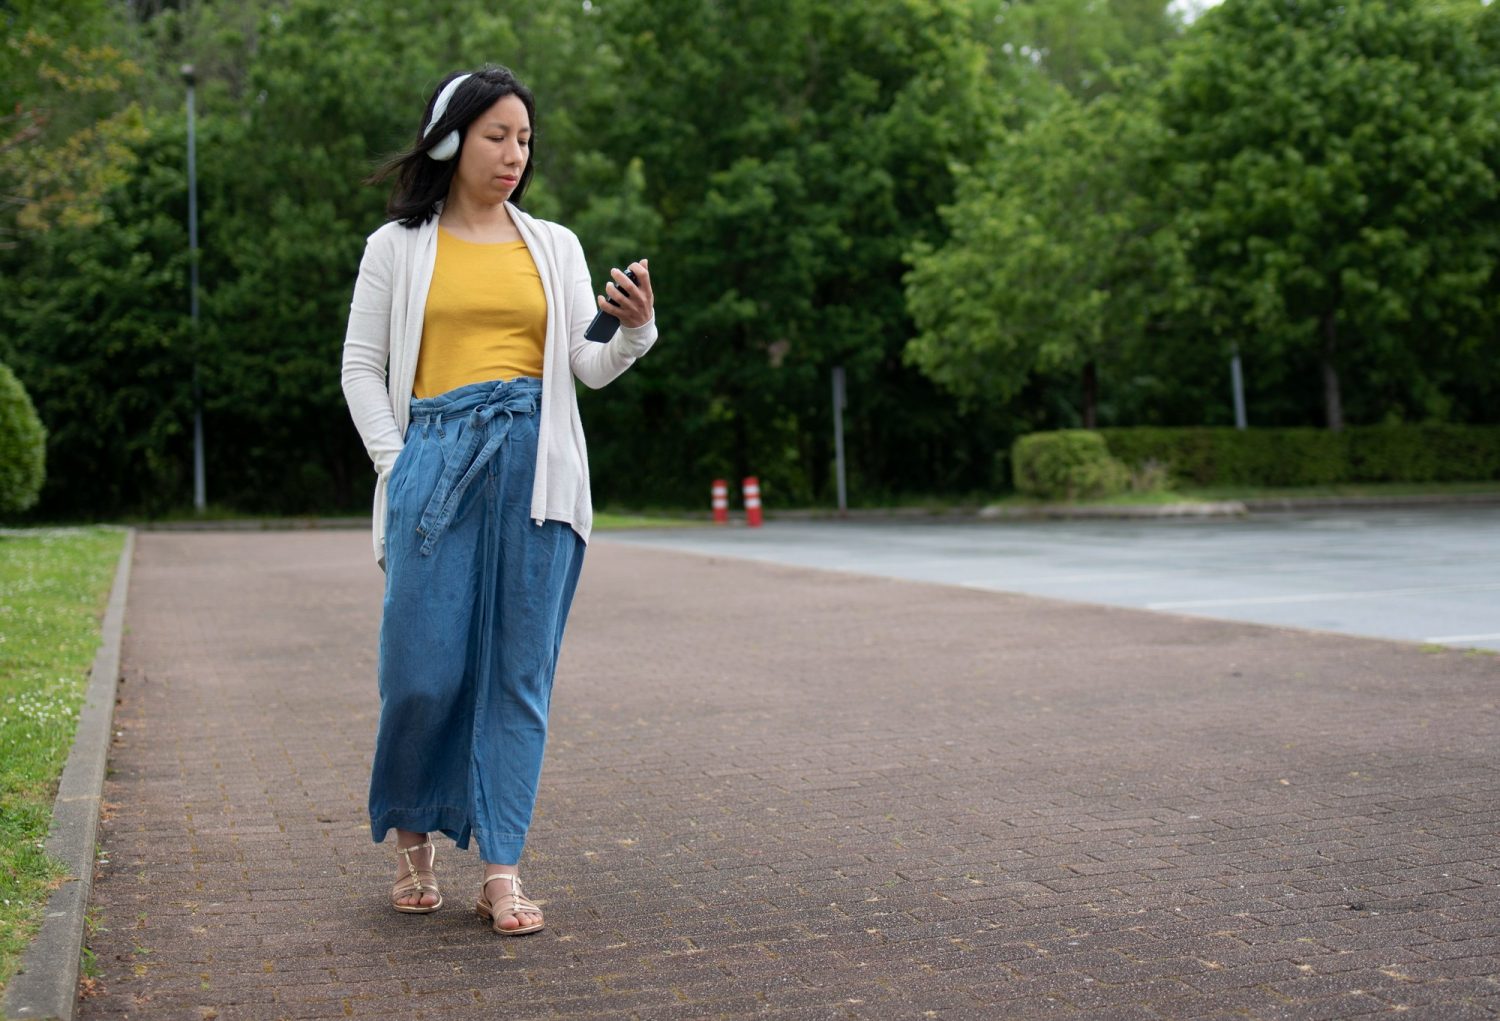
(634, 302)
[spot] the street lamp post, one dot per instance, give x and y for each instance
(839, 403)
(200, 499)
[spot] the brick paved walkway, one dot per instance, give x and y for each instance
(777, 792)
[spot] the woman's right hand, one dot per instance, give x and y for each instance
(634, 303)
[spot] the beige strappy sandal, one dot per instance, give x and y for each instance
(512, 903)
(416, 882)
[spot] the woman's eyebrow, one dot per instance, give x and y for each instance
(503, 126)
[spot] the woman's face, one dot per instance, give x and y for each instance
(496, 146)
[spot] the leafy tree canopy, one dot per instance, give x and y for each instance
(1333, 164)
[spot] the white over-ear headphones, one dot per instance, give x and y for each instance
(448, 147)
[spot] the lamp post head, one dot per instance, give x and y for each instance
(188, 75)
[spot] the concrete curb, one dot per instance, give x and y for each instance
(257, 524)
(1274, 505)
(1037, 512)
(1190, 508)
(1194, 509)
(46, 986)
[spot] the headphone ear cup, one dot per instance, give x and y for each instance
(446, 149)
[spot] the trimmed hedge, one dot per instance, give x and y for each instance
(1314, 457)
(23, 446)
(1066, 465)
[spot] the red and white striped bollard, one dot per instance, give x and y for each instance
(752, 501)
(721, 502)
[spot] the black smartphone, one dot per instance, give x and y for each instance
(604, 325)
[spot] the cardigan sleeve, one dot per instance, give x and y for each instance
(594, 363)
(367, 346)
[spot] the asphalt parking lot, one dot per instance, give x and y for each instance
(1430, 575)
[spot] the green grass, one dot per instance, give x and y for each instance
(54, 584)
(1162, 496)
(606, 521)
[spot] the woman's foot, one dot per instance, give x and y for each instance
(509, 911)
(416, 890)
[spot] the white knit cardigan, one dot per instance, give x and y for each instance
(385, 328)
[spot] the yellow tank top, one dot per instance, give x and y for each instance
(486, 316)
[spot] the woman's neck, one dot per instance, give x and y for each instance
(476, 221)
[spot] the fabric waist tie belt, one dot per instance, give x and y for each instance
(503, 400)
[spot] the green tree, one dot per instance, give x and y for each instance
(297, 102)
(776, 159)
(329, 90)
(792, 150)
(1334, 173)
(1081, 45)
(1056, 262)
(67, 132)
(95, 328)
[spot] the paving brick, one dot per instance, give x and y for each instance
(1443, 1012)
(1329, 1008)
(803, 795)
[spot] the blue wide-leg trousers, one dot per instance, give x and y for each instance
(476, 598)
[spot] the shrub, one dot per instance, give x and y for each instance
(1068, 464)
(23, 446)
(1314, 457)
(1150, 476)
(1425, 453)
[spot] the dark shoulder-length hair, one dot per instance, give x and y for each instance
(421, 181)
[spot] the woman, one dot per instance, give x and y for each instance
(482, 506)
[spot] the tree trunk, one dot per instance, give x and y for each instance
(1333, 407)
(1090, 395)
